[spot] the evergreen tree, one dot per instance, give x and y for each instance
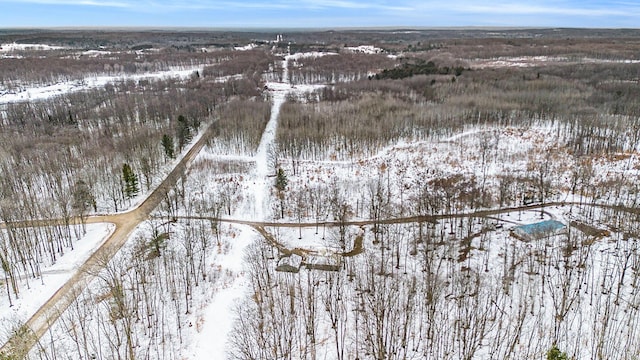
(71, 120)
(281, 180)
(555, 354)
(167, 145)
(281, 186)
(130, 179)
(183, 132)
(157, 244)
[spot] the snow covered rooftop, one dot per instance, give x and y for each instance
(290, 263)
(331, 262)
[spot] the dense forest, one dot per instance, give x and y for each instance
(397, 167)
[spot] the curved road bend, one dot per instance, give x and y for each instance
(260, 226)
(125, 223)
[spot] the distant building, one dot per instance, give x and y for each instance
(290, 263)
(332, 262)
(538, 230)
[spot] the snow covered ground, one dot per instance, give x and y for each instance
(48, 91)
(10, 47)
(530, 61)
(217, 316)
(508, 150)
(217, 320)
(400, 168)
(53, 277)
(365, 49)
(211, 323)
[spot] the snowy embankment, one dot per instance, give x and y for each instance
(53, 277)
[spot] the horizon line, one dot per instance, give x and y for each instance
(309, 28)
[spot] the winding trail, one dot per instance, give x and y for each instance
(260, 226)
(411, 219)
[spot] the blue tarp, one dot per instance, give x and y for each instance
(539, 229)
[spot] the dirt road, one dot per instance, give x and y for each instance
(125, 223)
(260, 226)
(412, 219)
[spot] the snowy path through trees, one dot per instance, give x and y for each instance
(210, 343)
(264, 166)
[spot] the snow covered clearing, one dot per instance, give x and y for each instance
(312, 54)
(246, 47)
(520, 61)
(48, 91)
(11, 47)
(531, 61)
(96, 53)
(365, 49)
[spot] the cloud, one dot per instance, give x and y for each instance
(343, 4)
(96, 3)
(568, 8)
(519, 7)
(176, 5)
(571, 13)
(294, 5)
(373, 12)
(527, 9)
